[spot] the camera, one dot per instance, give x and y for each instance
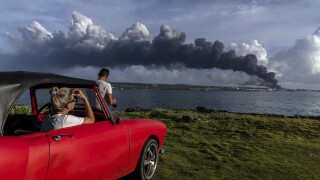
(76, 92)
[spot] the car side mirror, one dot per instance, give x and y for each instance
(116, 118)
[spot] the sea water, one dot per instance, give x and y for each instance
(282, 103)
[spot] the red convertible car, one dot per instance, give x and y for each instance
(109, 148)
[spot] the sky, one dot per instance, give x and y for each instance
(205, 42)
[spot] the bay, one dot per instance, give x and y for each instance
(263, 102)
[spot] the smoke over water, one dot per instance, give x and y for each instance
(90, 45)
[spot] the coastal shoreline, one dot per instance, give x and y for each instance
(202, 109)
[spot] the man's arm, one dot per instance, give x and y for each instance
(108, 95)
(111, 100)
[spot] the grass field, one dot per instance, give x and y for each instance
(220, 145)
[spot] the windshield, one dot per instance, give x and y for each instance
(43, 97)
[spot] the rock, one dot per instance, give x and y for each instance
(204, 109)
(136, 109)
(185, 118)
(158, 114)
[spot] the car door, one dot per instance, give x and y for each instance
(24, 157)
(90, 151)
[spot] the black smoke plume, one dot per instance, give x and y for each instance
(168, 49)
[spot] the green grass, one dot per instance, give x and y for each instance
(20, 109)
(222, 145)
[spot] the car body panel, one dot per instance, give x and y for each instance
(24, 157)
(140, 131)
(94, 151)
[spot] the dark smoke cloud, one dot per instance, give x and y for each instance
(89, 45)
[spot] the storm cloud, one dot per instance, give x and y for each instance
(87, 44)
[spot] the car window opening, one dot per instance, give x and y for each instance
(21, 120)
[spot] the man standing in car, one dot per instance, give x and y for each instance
(105, 88)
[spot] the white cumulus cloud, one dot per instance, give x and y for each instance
(166, 33)
(137, 31)
(254, 47)
(300, 63)
(35, 35)
(83, 31)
